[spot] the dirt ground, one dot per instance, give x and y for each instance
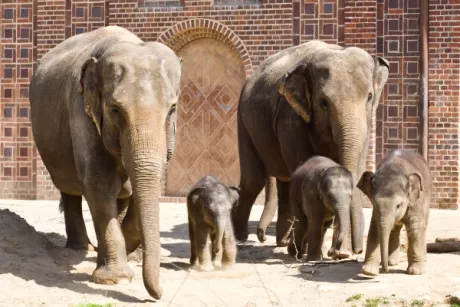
(35, 269)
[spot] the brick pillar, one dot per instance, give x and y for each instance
(444, 118)
(50, 31)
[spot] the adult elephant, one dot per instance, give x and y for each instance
(102, 104)
(311, 99)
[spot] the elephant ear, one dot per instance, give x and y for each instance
(294, 87)
(234, 195)
(381, 72)
(194, 194)
(89, 87)
(415, 187)
(365, 183)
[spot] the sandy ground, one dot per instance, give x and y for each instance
(35, 269)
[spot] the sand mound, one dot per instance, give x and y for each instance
(23, 250)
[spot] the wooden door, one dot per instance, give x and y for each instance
(206, 139)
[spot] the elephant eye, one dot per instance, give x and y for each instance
(369, 97)
(114, 110)
(324, 104)
(398, 205)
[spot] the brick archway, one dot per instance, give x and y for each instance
(187, 31)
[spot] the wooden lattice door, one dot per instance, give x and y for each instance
(206, 140)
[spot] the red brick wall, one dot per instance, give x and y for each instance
(256, 29)
(444, 93)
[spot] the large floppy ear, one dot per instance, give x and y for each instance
(381, 72)
(295, 88)
(90, 88)
(194, 194)
(415, 186)
(365, 183)
(234, 195)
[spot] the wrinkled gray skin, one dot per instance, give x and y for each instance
(320, 191)
(311, 99)
(400, 191)
(209, 205)
(101, 106)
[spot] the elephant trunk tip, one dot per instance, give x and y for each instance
(152, 286)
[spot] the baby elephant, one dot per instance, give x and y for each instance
(209, 205)
(400, 191)
(320, 190)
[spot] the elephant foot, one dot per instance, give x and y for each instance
(341, 254)
(203, 267)
(416, 268)
(283, 242)
(311, 257)
(261, 235)
(370, 269)
(136, 255)
(81, 246)
(111, 275)
(226, 266)
(193, 260)
(242, 236)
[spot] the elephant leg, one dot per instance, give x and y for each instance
(394, 246)
(130, 226)
(315, 236)
(335, 234)
(372, 259)
(416, 252)
(269, 208)
(284, 222)
(357, 225)
(77, 237)
(191, 235)
(229, 248)
(216, 257)
(202, 248)
(112, 264)
(252, 180)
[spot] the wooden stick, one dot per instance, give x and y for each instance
(443, 247)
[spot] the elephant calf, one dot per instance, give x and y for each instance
(400, 191)
(209, 205)
(320, 190)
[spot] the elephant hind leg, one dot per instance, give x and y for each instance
(77, 237)
(284, 221)
(269, 208)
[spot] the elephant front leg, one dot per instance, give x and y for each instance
(130, 226)
(416, 253)
(372, 259)
(203, 249)
(191, 234)
(284, 222)
(394, 246)
(296, 247)
(77, 237)
(315, 238)
(112, 265)
(216, 256)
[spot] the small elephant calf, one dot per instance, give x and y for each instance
(209, 205)
(320, 191)
(400, 191)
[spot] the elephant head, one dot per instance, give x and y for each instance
(392, 192)
(130, 92)
(335, 189)
(336, 91)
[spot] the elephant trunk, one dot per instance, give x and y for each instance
(384, 233)
(343, 215)
(221, 224)
(145, 166)
(354, 143)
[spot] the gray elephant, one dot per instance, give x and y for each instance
(209, 206)
(400, 190)
(311, 99)
(320, 191)
(102, 103)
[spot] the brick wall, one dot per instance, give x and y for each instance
(255, 29)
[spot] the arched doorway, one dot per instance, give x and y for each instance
(206, 140)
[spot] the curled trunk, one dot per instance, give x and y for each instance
(145, 164)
